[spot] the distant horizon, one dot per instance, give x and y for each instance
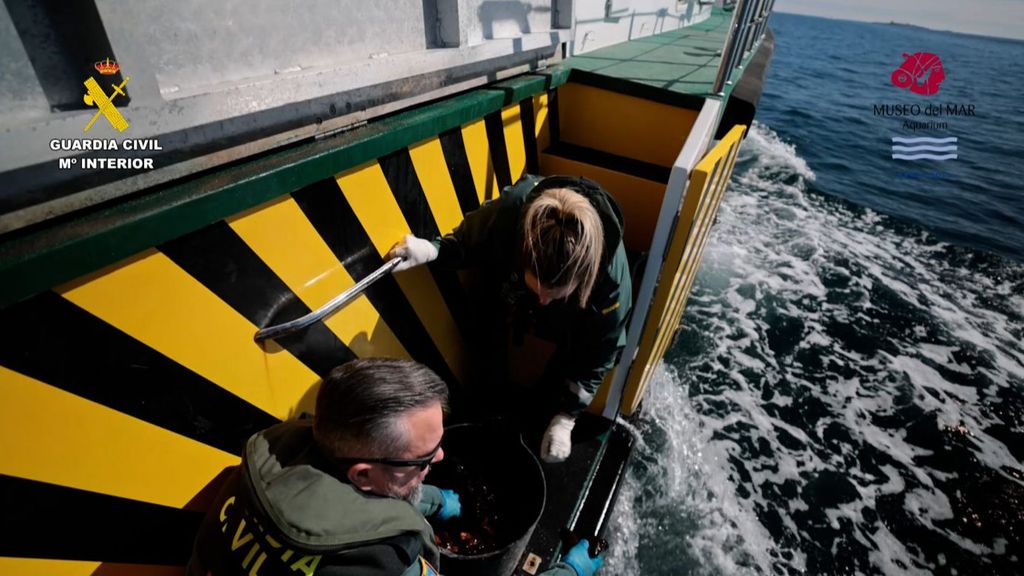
(897, 23)
(1003, 19)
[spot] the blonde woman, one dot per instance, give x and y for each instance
(552, 293)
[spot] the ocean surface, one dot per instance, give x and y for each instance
(848, 394)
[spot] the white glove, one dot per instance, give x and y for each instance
(416, 252)
(557, 443)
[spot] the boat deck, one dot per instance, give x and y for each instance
(684, 60)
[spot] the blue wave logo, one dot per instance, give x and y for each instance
(924, 148)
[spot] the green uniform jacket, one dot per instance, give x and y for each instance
(588, 340)
(282, 512)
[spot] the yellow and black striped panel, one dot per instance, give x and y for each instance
(87, 445)
(128, 392)
(367, 197)
(479, 161)
(348, 238)
(508, 142)
(111, 447)
(198, 303)
(512, 123)
(58, 344)
(63, 524)
(314, 274)
(707, 185)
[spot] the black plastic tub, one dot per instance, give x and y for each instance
(502, 489)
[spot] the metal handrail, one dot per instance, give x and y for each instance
(746, 28)
(271, 332)
(724, 68)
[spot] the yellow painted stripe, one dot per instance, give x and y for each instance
(432, 171)
(541, 127)
(306, 264)
(370, 197)
(474, 135)
(74, 442)
(154, 301)
(690, 262)
(706, 218)
(512, 123)
(43, 567)
(731, 162)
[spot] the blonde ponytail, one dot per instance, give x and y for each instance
(563, 240)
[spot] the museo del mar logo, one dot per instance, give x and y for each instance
(921, 73)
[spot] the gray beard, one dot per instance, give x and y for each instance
(413, 497)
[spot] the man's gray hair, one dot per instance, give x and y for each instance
(360, 403)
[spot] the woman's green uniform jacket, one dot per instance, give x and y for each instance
(588, 340)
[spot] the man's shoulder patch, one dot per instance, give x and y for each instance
(426, 569)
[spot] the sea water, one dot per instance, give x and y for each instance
(847, 396)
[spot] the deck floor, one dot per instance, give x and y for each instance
(684, 60)
(566, 485)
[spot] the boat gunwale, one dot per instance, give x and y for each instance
(65, 248)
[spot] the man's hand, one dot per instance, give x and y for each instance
(557, 443)
(415, 251)
(579, 559)
(451, 507)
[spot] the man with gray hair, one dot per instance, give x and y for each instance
(342, 494)
(345, 493)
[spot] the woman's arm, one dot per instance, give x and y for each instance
(598, 339)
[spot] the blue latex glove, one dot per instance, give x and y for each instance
(579, 559)
(450, 505)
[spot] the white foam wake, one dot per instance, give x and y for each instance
(811, 323)
(677, 512)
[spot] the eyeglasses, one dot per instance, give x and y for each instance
(421, 463)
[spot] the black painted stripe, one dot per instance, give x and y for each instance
(329, 212)
(636, 89)
(554, 124)
(217, 257)
(54, 341)
(50, 521)
(607, 160)
(408, 192)
(496, 144)
(412, 201)
(529, 135)
(454, 148)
